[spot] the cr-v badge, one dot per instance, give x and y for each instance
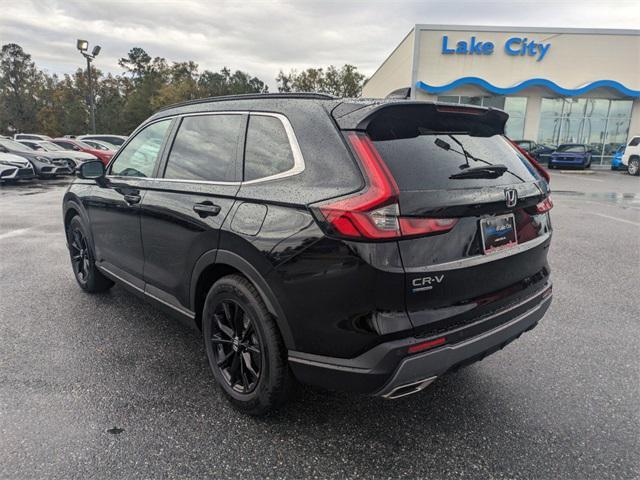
(426, 283)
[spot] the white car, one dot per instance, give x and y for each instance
(51, 150)
(30, 136)
(116, 140)
(14, 167)
(631, 156)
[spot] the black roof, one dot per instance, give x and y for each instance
(251, 96)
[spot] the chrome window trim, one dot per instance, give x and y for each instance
(298, 159)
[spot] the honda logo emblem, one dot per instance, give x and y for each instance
(511, 196)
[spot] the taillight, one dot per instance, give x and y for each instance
(544, 206)
(374, 213)
(539, 168)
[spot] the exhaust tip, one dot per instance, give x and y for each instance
(409, 388)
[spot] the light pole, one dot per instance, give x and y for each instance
(83, 47)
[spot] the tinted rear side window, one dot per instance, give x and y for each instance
(268, 151)
(426, 162)
(205, 148)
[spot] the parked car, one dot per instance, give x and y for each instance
(44, 167)
(14, 167)
(538, 151)
(631, 156)
(368, 246)
(51, 150)
(116, 140)
(571, 155)
(79, 146)
(30, 136)
(100, 144)
(616, 159)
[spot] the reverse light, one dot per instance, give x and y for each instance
(420, 347)
(375, 212)
(544, 206)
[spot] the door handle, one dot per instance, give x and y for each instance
(206, 209)
(132, 199)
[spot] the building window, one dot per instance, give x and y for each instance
(601, 124)
(516, 107)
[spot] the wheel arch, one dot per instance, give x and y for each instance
(73, 207)
(217, 263)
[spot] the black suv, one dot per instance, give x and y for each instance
(358, 245)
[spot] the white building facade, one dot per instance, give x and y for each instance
(558, 85)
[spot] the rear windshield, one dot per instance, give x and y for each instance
(571, 148)
(427, 161)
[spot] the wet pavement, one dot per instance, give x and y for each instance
(106, 386)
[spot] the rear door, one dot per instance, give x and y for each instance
(194, 192)
(496, 251)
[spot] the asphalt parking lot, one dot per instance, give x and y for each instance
(561, 402)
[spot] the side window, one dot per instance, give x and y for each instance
(67, 145)
(138, 158)
(268, 151)
(205, 148)
(634, 142)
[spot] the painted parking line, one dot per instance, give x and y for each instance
(637, 224)
(14, 233)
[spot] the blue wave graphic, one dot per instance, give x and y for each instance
(533, 82)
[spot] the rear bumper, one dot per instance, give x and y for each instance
(387, 370)
(581, 162)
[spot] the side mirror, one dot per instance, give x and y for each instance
(91, 170)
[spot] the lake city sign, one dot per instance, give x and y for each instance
(513, 46)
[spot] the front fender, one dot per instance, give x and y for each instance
(72, 202)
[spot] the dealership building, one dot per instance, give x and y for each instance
(557, 85)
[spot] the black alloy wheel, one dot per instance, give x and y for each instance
(81, 251)
(80, 256)
(236, 346)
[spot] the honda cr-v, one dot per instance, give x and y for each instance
(360, 245)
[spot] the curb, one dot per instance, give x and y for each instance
(578, 172)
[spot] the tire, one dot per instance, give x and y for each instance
(634, 166)
(245, 349)
(82, 256)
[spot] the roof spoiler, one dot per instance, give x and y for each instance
(401, 119)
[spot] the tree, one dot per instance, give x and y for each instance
(21, 84)
(31, 100)
(343, 82)
(137, 62)
(214, 84)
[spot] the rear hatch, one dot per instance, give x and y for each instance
(474, 227)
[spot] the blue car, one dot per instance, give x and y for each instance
(571, 155)
(616, 160)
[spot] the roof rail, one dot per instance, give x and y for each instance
(251, 96)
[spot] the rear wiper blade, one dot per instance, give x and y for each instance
(489, 171)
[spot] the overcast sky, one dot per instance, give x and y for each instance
(261, 36)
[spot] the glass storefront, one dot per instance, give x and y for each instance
(516, 107)
(601, 124)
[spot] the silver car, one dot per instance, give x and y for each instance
(13, 167)
(53, 151)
